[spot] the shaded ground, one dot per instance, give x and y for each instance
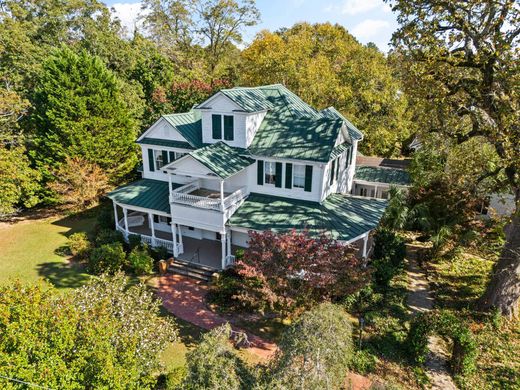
(420, 300)
(31, 249)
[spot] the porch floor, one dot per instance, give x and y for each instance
(205, 252)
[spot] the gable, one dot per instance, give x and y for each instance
(221, 103)
(162, 129)
(190, 165)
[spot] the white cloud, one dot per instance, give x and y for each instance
(355, 7)
(128, 14)
(369, 28)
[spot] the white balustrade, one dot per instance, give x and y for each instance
(182, 195)
(229, 260)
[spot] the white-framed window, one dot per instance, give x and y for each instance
(298, 176)
(158, 158)
(165, 220)
(269, 172)
(222, 127)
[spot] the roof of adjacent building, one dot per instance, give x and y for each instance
(382, 175)
(222, 159)
(373, 161)
(189, 124)
(165, 142)
(145, 193)
(343, 217)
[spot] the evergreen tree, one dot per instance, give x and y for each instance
(81, 110)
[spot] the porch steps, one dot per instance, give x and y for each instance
(192, 270)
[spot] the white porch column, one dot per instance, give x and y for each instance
(115, 214)
(375, 191)
(222, 195)
(150, 222)
(174, 236)
(223, 240)
(365, 244)
(180, 236)
(125, 213)
(228, 241)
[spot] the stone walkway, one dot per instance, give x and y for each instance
(419, 300)
(184, 298)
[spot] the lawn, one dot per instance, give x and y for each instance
(30, 250)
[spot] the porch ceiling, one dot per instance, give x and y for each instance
(144, 193)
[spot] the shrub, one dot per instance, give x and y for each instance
(108, 258)
(105, 216)
(214, 365)
(363, 362)
(79, 244)
(140, 261)
(105, 335)
(315, 351)
(175, 378)
(159, 253)
(134, 241)
(389, 254)
(109, 236)
(446, 324)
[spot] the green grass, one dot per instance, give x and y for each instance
(459, 281)
(32, 249)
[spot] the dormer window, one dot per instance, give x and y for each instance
(225, 122)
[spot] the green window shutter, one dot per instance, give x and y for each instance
(308, 178)
(332, 167)
(216, 123)
(165, 157)
(260, 172)
(288, 175)
(151, 160)
(172, 156)
(228, 128)
(278, 172)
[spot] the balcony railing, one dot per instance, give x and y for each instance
(182, 195)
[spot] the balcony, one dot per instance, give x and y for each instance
(192, 194)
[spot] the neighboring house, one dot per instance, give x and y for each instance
(245, 159)
(375, 176)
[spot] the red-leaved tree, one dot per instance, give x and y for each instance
(295, 271)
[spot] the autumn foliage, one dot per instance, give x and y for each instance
(295, 271)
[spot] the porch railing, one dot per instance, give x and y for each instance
(229, 261)
(181, 195)
(149, 240)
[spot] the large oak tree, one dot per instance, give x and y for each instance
(462, 67)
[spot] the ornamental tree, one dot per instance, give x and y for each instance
(295, 270)
(106, 334)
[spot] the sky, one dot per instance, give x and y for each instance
(367, 20)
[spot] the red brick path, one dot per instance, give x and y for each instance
(184, 298)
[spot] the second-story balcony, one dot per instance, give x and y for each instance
(193, 194)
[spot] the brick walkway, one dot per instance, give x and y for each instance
(184, 298)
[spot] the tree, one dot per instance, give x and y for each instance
(214, 365)
(19, 183)
(79, 183)
(463, 68)
(106, 334)
(81, 111)
(315, 351)
(295, 270)
(326, 66)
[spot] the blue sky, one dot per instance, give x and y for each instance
(367, 20)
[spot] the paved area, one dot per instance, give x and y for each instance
(184, 298)
(419, 300)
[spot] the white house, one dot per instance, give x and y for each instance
(245, 159)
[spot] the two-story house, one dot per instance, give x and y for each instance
(245, 159)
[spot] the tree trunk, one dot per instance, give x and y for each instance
(503, 291)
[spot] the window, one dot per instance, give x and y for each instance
(385, 194)
(159, 159)
(179, 155)
(269, 172)
(166, 220)
(299, 176)
(219, 122)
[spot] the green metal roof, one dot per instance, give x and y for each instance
(145, 193)
(222, 159)
(189, 124)
(165, 142)
(332, 113)
(382, 175)
(338, 150)
(341, 216)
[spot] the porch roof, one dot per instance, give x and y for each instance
(382, 175)
(222, 159)
(144, 193)
(343, 217)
